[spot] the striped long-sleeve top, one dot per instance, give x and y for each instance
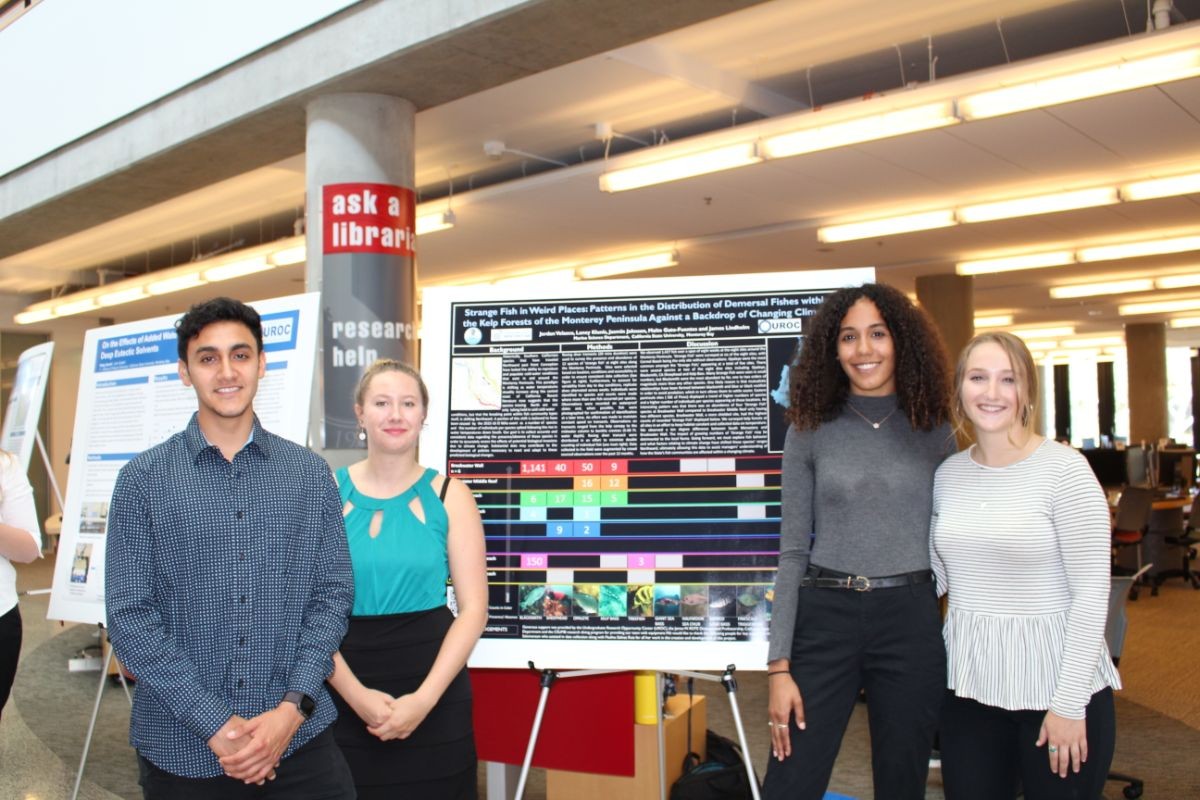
(1023, 551)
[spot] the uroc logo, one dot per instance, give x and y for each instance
(780, 325)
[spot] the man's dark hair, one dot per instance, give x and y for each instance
(219, 309)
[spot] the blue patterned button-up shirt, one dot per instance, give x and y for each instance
(227, 584)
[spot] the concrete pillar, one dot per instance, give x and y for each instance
(950, 301)
(361, 215)
(1146, 350)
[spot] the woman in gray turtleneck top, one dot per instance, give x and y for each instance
(855, 606)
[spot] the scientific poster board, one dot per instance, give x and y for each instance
(623, 440)
(25, 403)
(131, 398)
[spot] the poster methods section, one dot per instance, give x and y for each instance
(624, 449)
(130, 399)
(25, 403)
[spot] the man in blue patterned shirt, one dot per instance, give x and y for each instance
(228, 585)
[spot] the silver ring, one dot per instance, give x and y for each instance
(1052, 749)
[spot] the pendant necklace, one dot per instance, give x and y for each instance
(871, 422)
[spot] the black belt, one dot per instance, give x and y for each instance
(821, 578)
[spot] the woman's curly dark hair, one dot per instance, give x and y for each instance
(819, 385)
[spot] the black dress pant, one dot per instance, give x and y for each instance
(989, 752)
(10, 651)
(888, 642)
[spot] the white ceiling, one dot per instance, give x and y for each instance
(758, 218)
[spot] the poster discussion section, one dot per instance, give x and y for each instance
(623, 442)
(131, 398)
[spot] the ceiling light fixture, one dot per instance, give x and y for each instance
(75, 307)
(30, 317)
(994, 321)
(289, 256)
(116, 298)
(1056, 258)
(621, 266)
(1152, 247)
(1082, 84)
(1041, 204)
(828, 135)
(1162, 187)
(924, 221)
(1068, 291)
(432, 223)
(538, 279)
(1050, 332)
(176, 284)
(1094, 341)
(1177, 281)
(236, 269)
(1160, 307)
(685, 166)
(1185, 322)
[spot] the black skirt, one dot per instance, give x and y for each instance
(393, 654)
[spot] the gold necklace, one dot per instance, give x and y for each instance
(870, 422)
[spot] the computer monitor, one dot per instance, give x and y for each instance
(1137, 471)
(1176, 468)
(1108, 465)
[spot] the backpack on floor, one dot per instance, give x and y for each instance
(721, 777)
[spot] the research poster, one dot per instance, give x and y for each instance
(131, 398)
(25, 403)
(623, 441)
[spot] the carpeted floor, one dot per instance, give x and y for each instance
(43, 729)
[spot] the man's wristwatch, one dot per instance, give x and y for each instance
(302, 702)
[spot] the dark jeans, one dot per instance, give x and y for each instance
(987, 752)
(888, 642)
(316, 771)
(10, 650)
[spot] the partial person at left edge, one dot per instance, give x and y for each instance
(19, 542)
(228, 586)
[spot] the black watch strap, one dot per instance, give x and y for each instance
(302, 702)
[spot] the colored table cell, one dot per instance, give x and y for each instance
(587, 467)
(614, 466)
(614, 498)
(586, 513)
(586, 499)
(535, 468)
(584, 483)
(614, 482)
(534, 560)
(586, 529)
(533, 499)
(559, 499)
(639, 561)
(533, 514)
(559, 529)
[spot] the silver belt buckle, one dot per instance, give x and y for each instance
(858, 583)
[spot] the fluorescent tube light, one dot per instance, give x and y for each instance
(536, 279)
(120, 296)
(1185, 322)
(1154, 247)
(176, 284)
(1042, 344)
(35, 315)
(855, 131)
(1177, 281)
(290, 255)
(673, 169)
(1080, 85)
(1057, 258)
(620, 266)
(1162, 187)
(1093, 341)
(1043, 204)
(75, 307)
(924, 221)
(1159, 307)
(1054, 332)
(1108, 287)
(432, 223)
(994, 321)
(236, 269)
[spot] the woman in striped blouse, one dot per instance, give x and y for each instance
(1020, 540)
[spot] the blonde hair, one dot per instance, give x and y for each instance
(389, 365)
(1024, 371)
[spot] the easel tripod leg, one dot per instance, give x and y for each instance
(87, 742)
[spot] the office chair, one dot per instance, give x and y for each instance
(1129, 529)
(1114, 635)
(1185, 540)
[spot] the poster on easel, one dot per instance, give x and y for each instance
(131, 398)
(623, 440)
(25, 403)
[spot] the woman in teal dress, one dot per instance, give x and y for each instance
(403, 695)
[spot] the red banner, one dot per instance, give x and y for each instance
(368, 218)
